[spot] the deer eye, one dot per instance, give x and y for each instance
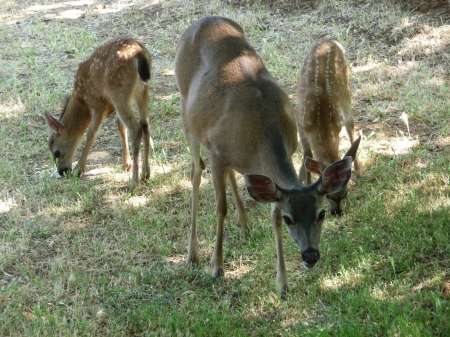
(57, 154)
(321, 215)
(287, 220)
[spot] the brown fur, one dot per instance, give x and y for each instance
(114, 76)
(324, 103)
(232, 106)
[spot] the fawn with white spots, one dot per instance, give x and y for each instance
(115, 75)
(324, 103)
(232, 106)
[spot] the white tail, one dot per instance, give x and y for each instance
(116, 74)
(232, 106)
(324, 102)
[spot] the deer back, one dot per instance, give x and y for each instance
(231, 103)
(323, 91)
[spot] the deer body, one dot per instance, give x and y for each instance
(232, 106)
(324, 103)
(115, 75)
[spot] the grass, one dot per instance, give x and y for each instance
(89, 257)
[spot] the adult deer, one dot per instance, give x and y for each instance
(116, 74)
(232, 106)
(324, 102)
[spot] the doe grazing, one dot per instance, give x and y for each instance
(114, 76)
(324, 103)
(232, 106)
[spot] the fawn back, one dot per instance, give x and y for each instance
(114, 76)
(324, 103)
(232, 106)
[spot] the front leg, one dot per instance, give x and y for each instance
(219, 179)
(277, 224)
(193, 258)
(98, 117)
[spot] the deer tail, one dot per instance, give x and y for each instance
(143, 67)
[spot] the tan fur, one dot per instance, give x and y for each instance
(108, 81)
(232, 106)
(324, 103)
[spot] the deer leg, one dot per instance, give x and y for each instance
(242, 213)
(277, 224)
(219, 179)
(98, 117)
(304, 174)
(193, 259)
(126, 158)
(142, 104)
(125, 113)
(350, 127)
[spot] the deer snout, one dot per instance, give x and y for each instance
(336, 202)
(63, 171)
(310, 257)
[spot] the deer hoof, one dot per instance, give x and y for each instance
(126, 167)
(192, 262)
(145, 176)
(218, 272)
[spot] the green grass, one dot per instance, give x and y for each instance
(90, 257)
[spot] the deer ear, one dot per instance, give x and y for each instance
(262, 188)
(335, 177)
(55, 125)
(314, 166)
(353, 148)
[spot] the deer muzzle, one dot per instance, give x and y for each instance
(310, 257)
(64, 171)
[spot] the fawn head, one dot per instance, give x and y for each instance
(336, 199)
(63, 143)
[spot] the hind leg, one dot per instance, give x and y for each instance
(242, 213)
(125, 113)
(126, 158)
(304, 174)
(347, 118)
(142, 104)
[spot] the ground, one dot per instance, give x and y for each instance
(91, 251)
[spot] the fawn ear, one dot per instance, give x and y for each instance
(314, 166)
(335, 177)
(262, 188)
(353, 148)
(55, 125)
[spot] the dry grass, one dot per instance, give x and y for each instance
(90, 257)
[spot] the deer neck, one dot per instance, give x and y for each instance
(277, 164)
(76, 116)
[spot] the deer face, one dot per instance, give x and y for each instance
(303, 215)
(62, 146)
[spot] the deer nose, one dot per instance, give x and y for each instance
(62, 171)
(310, 257)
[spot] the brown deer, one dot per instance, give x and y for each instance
(324, 102)
(231, 105)
(115, 75)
